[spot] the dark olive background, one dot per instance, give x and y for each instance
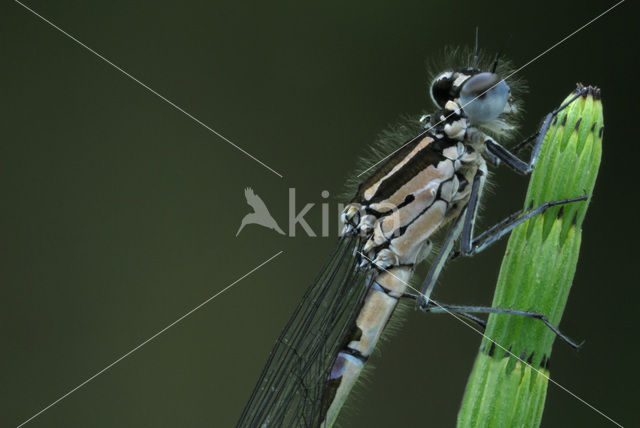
(119, 212)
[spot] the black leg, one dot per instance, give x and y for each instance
(470, 245)
(433, 306)
(482, 323)
(472, 210)
(524, 143)
(441, 259)
(515, 163)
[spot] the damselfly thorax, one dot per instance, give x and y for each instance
(432, 181)
(420, 189)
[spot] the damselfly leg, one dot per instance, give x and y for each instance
(496, 151)
(488, 237)
(438, 263)
(470, 245)
(479, 321)
(466, 312)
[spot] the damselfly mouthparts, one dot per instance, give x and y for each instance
(433, 180)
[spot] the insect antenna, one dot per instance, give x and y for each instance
(475, 52)
(495, 62)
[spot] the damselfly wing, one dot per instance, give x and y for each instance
(288, 392)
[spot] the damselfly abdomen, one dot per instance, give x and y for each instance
(434, 179)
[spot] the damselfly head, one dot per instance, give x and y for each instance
(475, 80)
(483, 96)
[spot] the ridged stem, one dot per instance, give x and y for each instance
(536, 275)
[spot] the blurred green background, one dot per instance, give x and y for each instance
(119, 212)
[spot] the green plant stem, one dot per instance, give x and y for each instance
(508, 384)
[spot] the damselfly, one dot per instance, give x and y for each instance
(433, 179)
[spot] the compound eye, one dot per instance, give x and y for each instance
(440, 90)
(484, 97)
